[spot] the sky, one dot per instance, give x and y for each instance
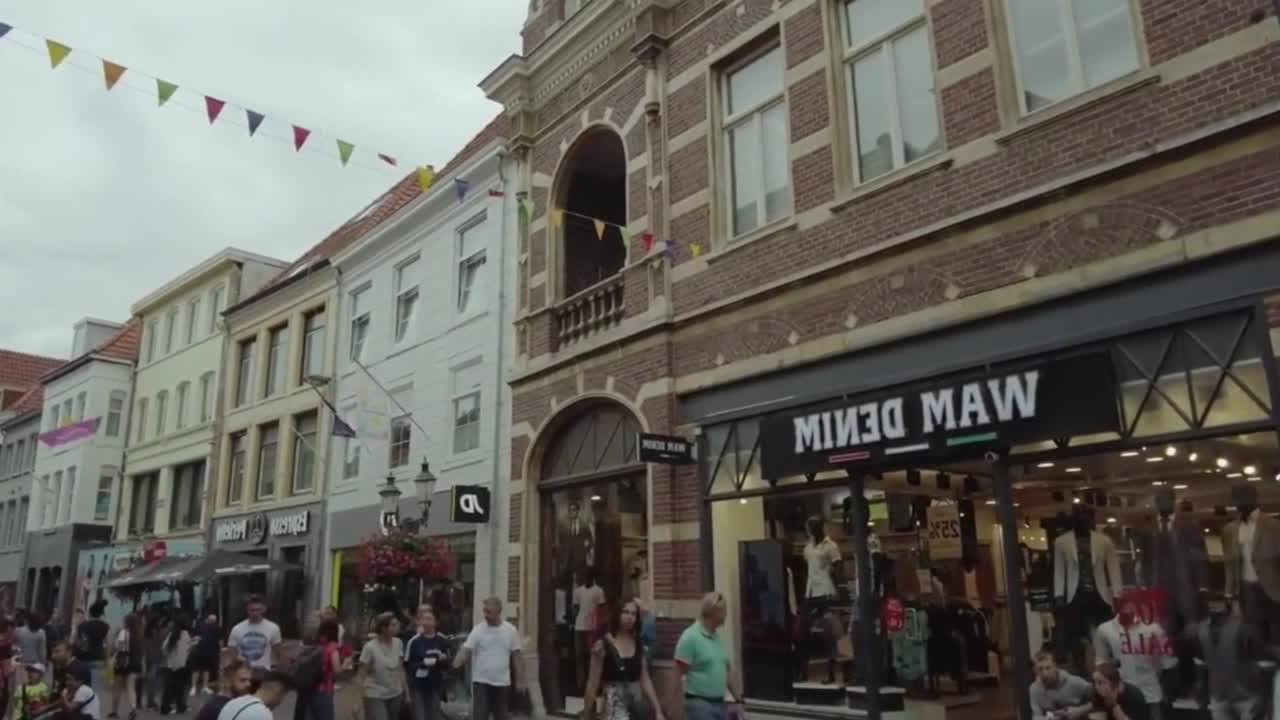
(105, 196)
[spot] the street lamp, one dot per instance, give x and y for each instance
(425, 482)
(390, 496)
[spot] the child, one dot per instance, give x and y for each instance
(33, 695)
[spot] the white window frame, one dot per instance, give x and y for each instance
(69, 493)
(244, 371)
(351, 459)
(153, 334)
(404, 326)
(313, 342)
(206, 396)
(1071, 39)
(215, 307)
(106, 486)
(115, 413)
(82, 400)
(402, 446)
(478, 257)
(359, 326)
(142, 420)
(277, 359)
(300, 445)
(753, 114)
(193, 319)
(51, 510)
(237, 472)
(170, 327)
(162, 412)
(274, 465)
(884, 42)
(181, 395)
(457, 395)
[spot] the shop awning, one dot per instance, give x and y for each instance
(144, 575)
(196, 568)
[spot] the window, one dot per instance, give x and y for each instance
(10, 520)
(406, 297)
(401, 437)
(46, 501)
(471, 259)
(153, 332)
(359, 324)
(188, 493)
(184, 389)
(244, 372)
(466, 407)
(351, 459)
(19, 457)
(102, 503)
(68, 496)
(53, 416)
(170, 327)
(24, 519)
(235, 479)
(81, 401)
(66, 412)
(193, 319)
(162, 411)
(756, 140)
(1064, 47)
(31, 450)
(142, 419)
(142, 505)
(6, 459)
(304, 452)
(277, 353)
(313, 344)
(890, 69)
(267, 454)
(55, 501)
(206, 396)
(215, 307)
(115, 413)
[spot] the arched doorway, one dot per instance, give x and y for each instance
(594, 541)
(592, 186)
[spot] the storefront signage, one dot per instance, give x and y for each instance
(154, 550)
(287, 525)
(1030, 402)
(469, 504)
(231, 530)
(893, 615)
(665, 449)
(944, 533)
(255, 528)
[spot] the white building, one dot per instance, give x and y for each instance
(78, 462)
(425, 305)
(18, 440)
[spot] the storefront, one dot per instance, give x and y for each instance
(97, 566)
(291, 535)
(50, 562)
(1011, 486)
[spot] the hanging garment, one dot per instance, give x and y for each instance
(910, 645)
(1074, 569)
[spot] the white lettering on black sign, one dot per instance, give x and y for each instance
(232, 530)
(661, 445)
(296, 524)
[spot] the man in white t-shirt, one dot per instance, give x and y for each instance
(256, 639)
(84, 701)
(1141, 652)
(495, 644)
(271, 693)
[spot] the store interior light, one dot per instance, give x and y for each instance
(1075, 501)
(1235, 475)
(1193, 456)
(1222, 462)
(1206, 531)
(597, 498)
(1255, 478)
(743, 501)
(1171, 451)
(1157, 483)
(1112, 520)
(991, 502)
(1180, 487)
(1045, 465)
(1073, 469)
(1155, 458)
(1250, 470)
(1129, 453)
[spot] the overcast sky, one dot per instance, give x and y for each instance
(105, 196)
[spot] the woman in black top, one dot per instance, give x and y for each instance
(618, 660)
(1119, 700)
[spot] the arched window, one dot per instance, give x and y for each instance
(592, 187)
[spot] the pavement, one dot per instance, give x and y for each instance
(347, 699)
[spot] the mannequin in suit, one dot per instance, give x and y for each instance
(576, 538)
(1175, 559)
(1251, 553)
(1086, 578)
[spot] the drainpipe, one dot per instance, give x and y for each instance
(327, 575)
(499, 373)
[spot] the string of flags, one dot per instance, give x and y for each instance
(113, 73)
(556, 216)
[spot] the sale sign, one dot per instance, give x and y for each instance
(893, 615)
(944, 532)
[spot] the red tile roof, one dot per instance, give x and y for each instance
(33, 399)
(121, 346)
(23, 370)
(391, 202)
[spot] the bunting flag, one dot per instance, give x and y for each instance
(522, 208)
(213, 107)
(426, 176)
(669, 250)
(599, 224)
(57, 52)
(495, 192)
(646, 239)
(462, 187)
(115, 74)
(695, 249)
(111, 73)
(255, 120)
(165, 90)
(300, 135)
(555, 216)
(341, 428)
(344, 151)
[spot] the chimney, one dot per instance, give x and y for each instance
(91, 333)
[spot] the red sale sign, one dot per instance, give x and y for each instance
(893, 615)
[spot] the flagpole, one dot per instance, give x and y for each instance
(400, 407)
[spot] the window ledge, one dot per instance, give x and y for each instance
(902, 175)
(1068, 108)
(777, 227)
(473, 457)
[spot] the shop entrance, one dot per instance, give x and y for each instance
(594, 540)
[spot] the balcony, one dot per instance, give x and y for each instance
(595, 310)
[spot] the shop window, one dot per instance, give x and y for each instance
(731, 462)
(756, 142)
(599, 440)
(594, 188)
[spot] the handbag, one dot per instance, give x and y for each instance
(120, 663)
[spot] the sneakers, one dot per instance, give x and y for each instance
(192, 693)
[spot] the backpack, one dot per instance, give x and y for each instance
(307, 668)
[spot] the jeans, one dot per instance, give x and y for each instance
(175, 690)
(426, 702)
(489, 701)
(699, 709)
(314, 705)
(379, 709)
(151, 685)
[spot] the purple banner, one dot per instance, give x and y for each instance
(70, 433)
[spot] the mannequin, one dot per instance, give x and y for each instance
(1251, 553)
(1086, 576)
(1175, 560)
(822, 558)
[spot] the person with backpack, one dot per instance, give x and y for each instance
(314, 671)
(82, 701)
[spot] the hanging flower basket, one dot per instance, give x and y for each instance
(401, 554)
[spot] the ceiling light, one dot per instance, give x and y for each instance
(1155, 458)
(1112, 520)
(1235, 475)
(1250, 470)
(597, 498)
(1255, 478)
(1073, 469)
(1206, 531)
(1171, 451)
(1179, 487)
(1193, 456)
(1222, 462)
(1157, 483)
(991, 502)
(1045, 465)
(1129, 453)
(1075, 500)
(743, 501)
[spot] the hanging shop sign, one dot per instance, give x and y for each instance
(469, 504)
(1029, 402)
(945, 541)
(665, 450)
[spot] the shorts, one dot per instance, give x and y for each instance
(204, 663)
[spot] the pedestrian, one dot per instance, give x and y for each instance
(273, 688)
(91, 640)
(704, 664)
(34, 696)
(82, 701)
(256, 639)
(32, 641)
(61, 659)
(495, 644)
(204, 658)
(177, 649)
(315, 687)
(426, 659)
(618, 659)
(233, 682)
(126, 662)
(10, 681)
(381, 673)
(153, 634)
(1115, 698)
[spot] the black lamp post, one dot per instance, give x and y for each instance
(425, 484)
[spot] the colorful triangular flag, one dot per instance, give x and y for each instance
(344, 151)
(462, 187)
(342, 429)
(669, 250)
(599, 229)
(213, 107)
(165, 90)
(646, 239)
(554, 217)
(300, 135)
(426, 176)
(4, 29)
(112, 73)
(255, 120)
(522, 208)
(695, 249)
(387, 159)
(57, 52)
(495, 192)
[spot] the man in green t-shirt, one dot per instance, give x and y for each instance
(705, 666)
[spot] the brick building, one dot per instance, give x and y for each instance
(738, 208)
